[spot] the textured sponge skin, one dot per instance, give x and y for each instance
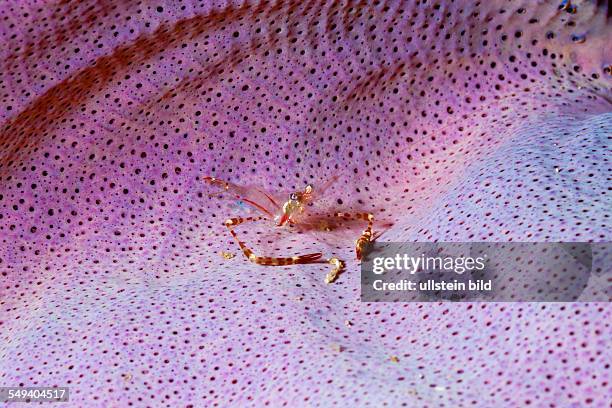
(448, 120)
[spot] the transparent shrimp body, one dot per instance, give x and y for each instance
(292, 212)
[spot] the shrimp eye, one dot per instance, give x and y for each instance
(293, 196)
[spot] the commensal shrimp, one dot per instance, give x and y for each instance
(291, 212)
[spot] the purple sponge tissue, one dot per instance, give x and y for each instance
(447, 121)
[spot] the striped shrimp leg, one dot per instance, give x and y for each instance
(266, 260)
(367, 234)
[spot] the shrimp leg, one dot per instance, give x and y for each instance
(366, 236)
(242, 193)
(266, 260)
